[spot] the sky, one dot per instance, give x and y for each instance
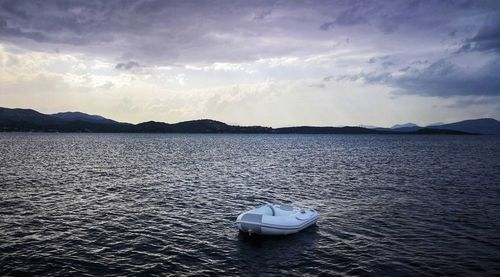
(271, 63)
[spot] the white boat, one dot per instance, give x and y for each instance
(276, 219)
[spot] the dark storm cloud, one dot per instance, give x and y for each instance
(352, 15)
(442, 78)
(389, 16)
(446, 78)
(13, 32)
(451, 74)
(465, 102)
(152, 32)
(262, 15)
(202, 31)
(162, 32)
(487, 38)
(72, 23)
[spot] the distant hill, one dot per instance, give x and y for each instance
(27, 120)
(406, 125)
(202, 126)
(153, 127)
(487, 126)
(75, 116)
(196, 126)
(407, 129)
(435, 124)
(432, 131)
(327, 130)
(24, 115)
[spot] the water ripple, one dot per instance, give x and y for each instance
(127, 204)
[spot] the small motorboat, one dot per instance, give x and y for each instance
(276, 219)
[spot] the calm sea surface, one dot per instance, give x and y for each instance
(128, 204)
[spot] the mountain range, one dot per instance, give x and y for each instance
(28, 120)
(485, 126)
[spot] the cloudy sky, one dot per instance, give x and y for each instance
(273, 63)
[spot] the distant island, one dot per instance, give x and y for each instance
(28, 120)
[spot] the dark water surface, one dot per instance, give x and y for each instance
(123, 204)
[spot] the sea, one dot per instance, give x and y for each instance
(165, 204)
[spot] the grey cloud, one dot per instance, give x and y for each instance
(327, 25)
(442, 78)
(331, 78)
(75, 23)
(389, 16)
(342, 78)
(319, 85)
(178, 32)
(387, 64)
(351, 15)
(328, 78)
(383, 61)
(127, 65)
(390, 23)
(8, 31)
(486, 39)
(466, 101)
(159, 32)
(262, 15)
(419, 62)
(151, 6)
(376, 59)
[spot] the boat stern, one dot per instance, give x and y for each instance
(250, 223)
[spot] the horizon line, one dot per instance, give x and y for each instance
(255, 125)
